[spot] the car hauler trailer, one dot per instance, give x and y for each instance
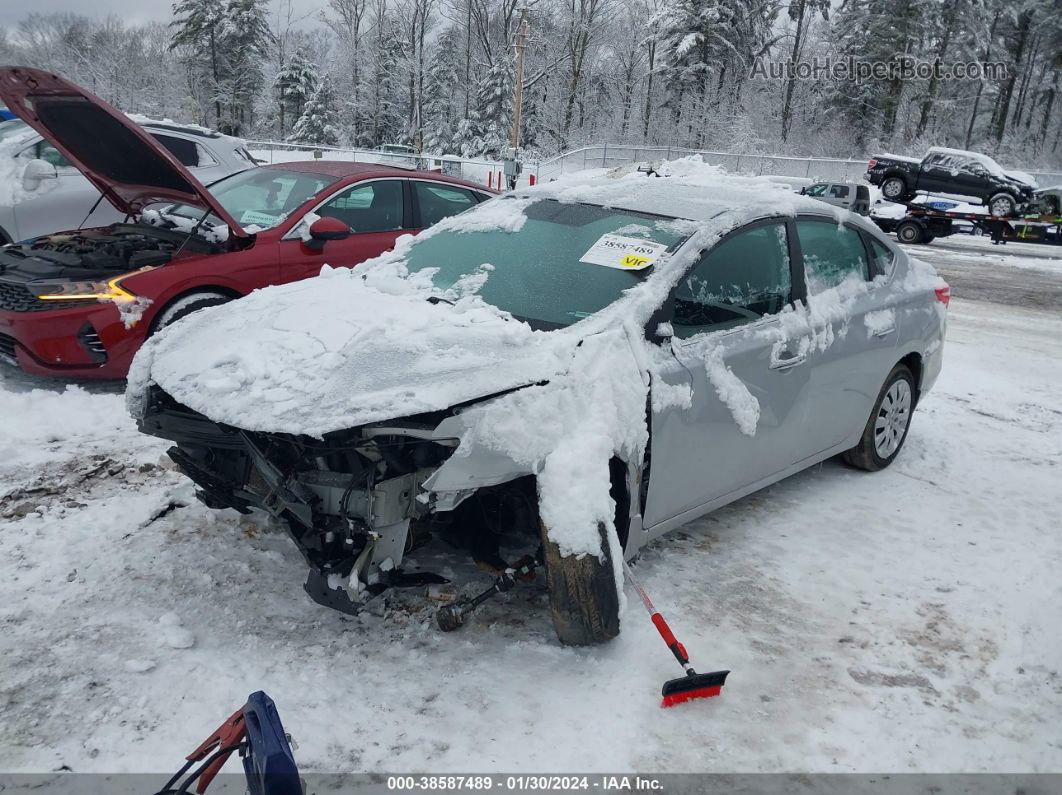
(923, 223)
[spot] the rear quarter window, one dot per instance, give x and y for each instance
(188, 153)
(882, 258)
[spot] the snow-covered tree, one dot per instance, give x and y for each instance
(318, 123)
(198, 29)
(295, 83)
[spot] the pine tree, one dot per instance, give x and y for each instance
(486, 131)
(318, 123)
(247, 39)
(198, 25)
(295, 83)
(441, 95)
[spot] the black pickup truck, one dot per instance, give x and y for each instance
(953, 172)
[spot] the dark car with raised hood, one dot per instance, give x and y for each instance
(79, 304)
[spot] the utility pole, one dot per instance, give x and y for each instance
(512, 163)
(518, 88)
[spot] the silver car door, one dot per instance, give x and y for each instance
(728, 398)
(59, 204)
(854, 330)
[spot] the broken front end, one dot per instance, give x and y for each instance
(357, 502)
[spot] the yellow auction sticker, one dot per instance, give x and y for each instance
(624, 253)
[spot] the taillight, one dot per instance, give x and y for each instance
(871, 164)
(943, 294)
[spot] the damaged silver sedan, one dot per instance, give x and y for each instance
(584, 365)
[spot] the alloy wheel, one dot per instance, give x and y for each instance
(894, 414)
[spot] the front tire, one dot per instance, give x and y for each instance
(583, 599)
(1002, 204)
(185, 305)
(889, 422)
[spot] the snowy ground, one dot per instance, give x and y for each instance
(1020, 274)
(902, 621)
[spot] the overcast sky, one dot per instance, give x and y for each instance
(132, 11)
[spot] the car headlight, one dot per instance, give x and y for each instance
(110, 290)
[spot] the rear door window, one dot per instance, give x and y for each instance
(738, 281)
(832, 253)
(438, 201)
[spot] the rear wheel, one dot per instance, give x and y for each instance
(894, 189)
(886, 430)
(583, 599)
(910, 232)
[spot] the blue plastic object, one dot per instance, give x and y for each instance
(269, 764)
(6, 115)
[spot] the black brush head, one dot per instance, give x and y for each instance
(692, 686)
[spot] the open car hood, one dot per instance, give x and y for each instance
(330, 353)
(124, 162)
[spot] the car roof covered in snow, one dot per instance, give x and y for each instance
(687, 188)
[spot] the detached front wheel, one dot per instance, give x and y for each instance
(582, 593)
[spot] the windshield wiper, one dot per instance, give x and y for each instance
(438, 299)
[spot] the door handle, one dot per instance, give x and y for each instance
(787, 362)
(884, 332)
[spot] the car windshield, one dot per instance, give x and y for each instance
(259, 197)
(566, 262)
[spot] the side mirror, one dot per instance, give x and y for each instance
(804, 191)
(35, 171)
(324, 229)
(658, 329)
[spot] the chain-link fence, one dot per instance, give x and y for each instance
(485, 172)
(813, 168)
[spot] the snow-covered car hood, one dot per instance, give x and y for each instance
(332, 352)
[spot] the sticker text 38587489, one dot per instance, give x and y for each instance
(624, 253)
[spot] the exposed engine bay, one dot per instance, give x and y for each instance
(355, 502)
(97, 253)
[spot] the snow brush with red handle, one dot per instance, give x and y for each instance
(691, 686)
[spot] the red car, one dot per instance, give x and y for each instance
(79, 304)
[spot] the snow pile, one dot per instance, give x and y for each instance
(41, 426)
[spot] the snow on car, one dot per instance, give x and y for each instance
(586, 364)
